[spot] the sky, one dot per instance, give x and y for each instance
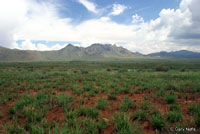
(143, 26)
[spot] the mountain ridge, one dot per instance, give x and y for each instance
(176, 54)
(93, 52)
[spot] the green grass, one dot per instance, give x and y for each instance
(139, 115)
(170, 99)
(89, 112)
(81, 97)
(158, 122)
(102, 104)
(123, 124)
(174, 116)
(64, 99)
(194, 109)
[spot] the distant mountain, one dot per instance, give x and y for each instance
(176, 54)
(70, 52)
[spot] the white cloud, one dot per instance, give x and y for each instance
(28, 45)
(137, 19)
(172, 30)
(89, 5)
(118, 9)
(105, 18)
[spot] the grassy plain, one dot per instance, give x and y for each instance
(130, 97)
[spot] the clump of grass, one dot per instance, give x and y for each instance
(93, 127)
(197, 120)
(174, 107)
(15, 129)
(63, 99)
(126, 104)
(174, 116)
(170, 99)
(102, 104)
(194, 109)
(89, 112)
(112, 95)
(157, 121)
(146, 105)
(139, 115)
(123, 124)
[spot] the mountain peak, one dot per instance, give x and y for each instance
(69, 45)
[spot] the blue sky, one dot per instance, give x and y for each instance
(148, 9)
(139, 25)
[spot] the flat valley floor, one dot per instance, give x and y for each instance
(131, 97)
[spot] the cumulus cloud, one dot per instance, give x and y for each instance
(28, 45)
(174, 29)
(137, 19)
(89, 5)
(118, 9)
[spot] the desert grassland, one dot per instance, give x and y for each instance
(80, 97)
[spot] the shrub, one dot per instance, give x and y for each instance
(170, 98)
(162, 68)
(102, 104)
(174, 116)
(139, 115)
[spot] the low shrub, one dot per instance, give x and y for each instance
(162, 68)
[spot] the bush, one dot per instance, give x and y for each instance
(170, 98)
(162, 68)
(174, 116)
(139, 115)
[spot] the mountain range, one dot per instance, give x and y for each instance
(176, 54)
(68, 53)
(93, 52)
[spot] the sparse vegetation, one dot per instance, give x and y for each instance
(94, 97)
